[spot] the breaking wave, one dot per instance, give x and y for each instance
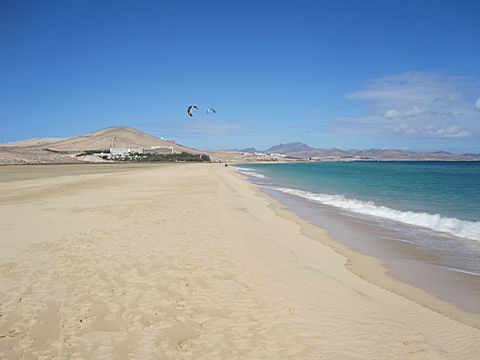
(249, 172)
(453, 226)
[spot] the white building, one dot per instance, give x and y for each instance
(158, 150)
(125, 151)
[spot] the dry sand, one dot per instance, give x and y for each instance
(190, 262)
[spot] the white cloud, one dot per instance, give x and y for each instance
(453, 132)
(415, 104)
(414, 111)
(430, 130)
(390, 114)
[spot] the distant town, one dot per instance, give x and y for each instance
(116, 153)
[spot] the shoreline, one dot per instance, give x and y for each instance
(403, 260)
(191, 261)
(374, 269)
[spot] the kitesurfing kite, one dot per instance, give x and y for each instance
(211, 110)
(190, 109)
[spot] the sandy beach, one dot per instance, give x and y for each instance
(192, 262)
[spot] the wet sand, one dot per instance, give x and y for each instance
(192, 261)
(410, 263)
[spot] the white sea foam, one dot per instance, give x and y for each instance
(253, 174)
(453, 226)
(249, 172)
(243, 168)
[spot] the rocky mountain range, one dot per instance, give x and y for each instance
(300, 150)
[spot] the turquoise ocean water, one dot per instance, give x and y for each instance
(441, 196)
(435, 205)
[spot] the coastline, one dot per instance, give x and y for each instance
(374, 268)
(190, 261)
(415, 272)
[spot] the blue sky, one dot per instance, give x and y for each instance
(349, 74)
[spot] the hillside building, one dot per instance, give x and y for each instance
(158, 150)
(125, 151)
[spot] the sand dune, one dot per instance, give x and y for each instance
(189, 262)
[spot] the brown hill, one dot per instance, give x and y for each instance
(32, 142)
(66, 150)
(115, 136)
